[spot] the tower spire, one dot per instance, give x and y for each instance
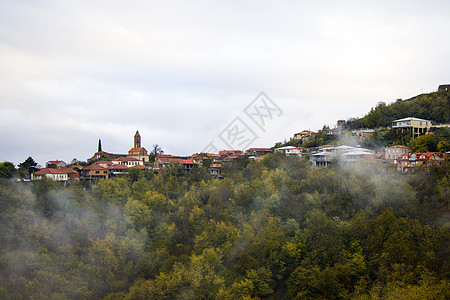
(137, 140)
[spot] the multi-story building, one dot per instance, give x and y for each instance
(95, 172)
(414, 127)
(393, 153)
(56, 174)
(303, 134)
(344, 154)
(128, 161)
(138, 152)
(291, 150)
(163, 160)
(409, 161)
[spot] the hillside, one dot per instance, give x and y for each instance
(274, 229)
(433, 106)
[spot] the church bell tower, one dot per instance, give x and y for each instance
(137, 140)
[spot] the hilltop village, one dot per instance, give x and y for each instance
(358, 211)
(103, 165)
(384, 135)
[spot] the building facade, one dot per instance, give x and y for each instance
(414, 127)
(138, 152)
(393, 153)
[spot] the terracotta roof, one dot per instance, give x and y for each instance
(94, 167)
(126, 158)
(187, 162)
(103, 162)
(55, 171)
(427, 155)
(225, 152)
(117, 167)
(70, 171)
(176, 160)
(136, 149)
(231, 157)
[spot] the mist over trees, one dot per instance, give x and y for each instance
(274, 229)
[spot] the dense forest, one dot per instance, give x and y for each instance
(433, 106)
(273, 229)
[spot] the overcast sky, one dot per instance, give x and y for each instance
(180, 72)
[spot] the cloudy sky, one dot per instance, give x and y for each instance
(180, 72)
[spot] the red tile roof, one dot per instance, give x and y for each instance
(55, 171)
(174, 159)
(427, 155)
(55, 161)
(136, 149)
(126, 158)
(94, 167)
(117, 167)
(225, 152)
(103, 162)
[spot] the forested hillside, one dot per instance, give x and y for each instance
(273, 229)
(434, 106)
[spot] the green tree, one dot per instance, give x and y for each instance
(28, 165)
(45, 196)
(424, 143)
(155, 151)
(112, 190)
(7, 169)
(443, 146)
(134, 174)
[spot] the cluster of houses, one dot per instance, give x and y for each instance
(401, 156)
(104, 165)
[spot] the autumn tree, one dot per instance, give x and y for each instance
(7, 169)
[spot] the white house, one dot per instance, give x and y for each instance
(128, 161)
(290, 150)
(54, 174)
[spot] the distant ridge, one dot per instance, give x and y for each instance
(433, 106)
